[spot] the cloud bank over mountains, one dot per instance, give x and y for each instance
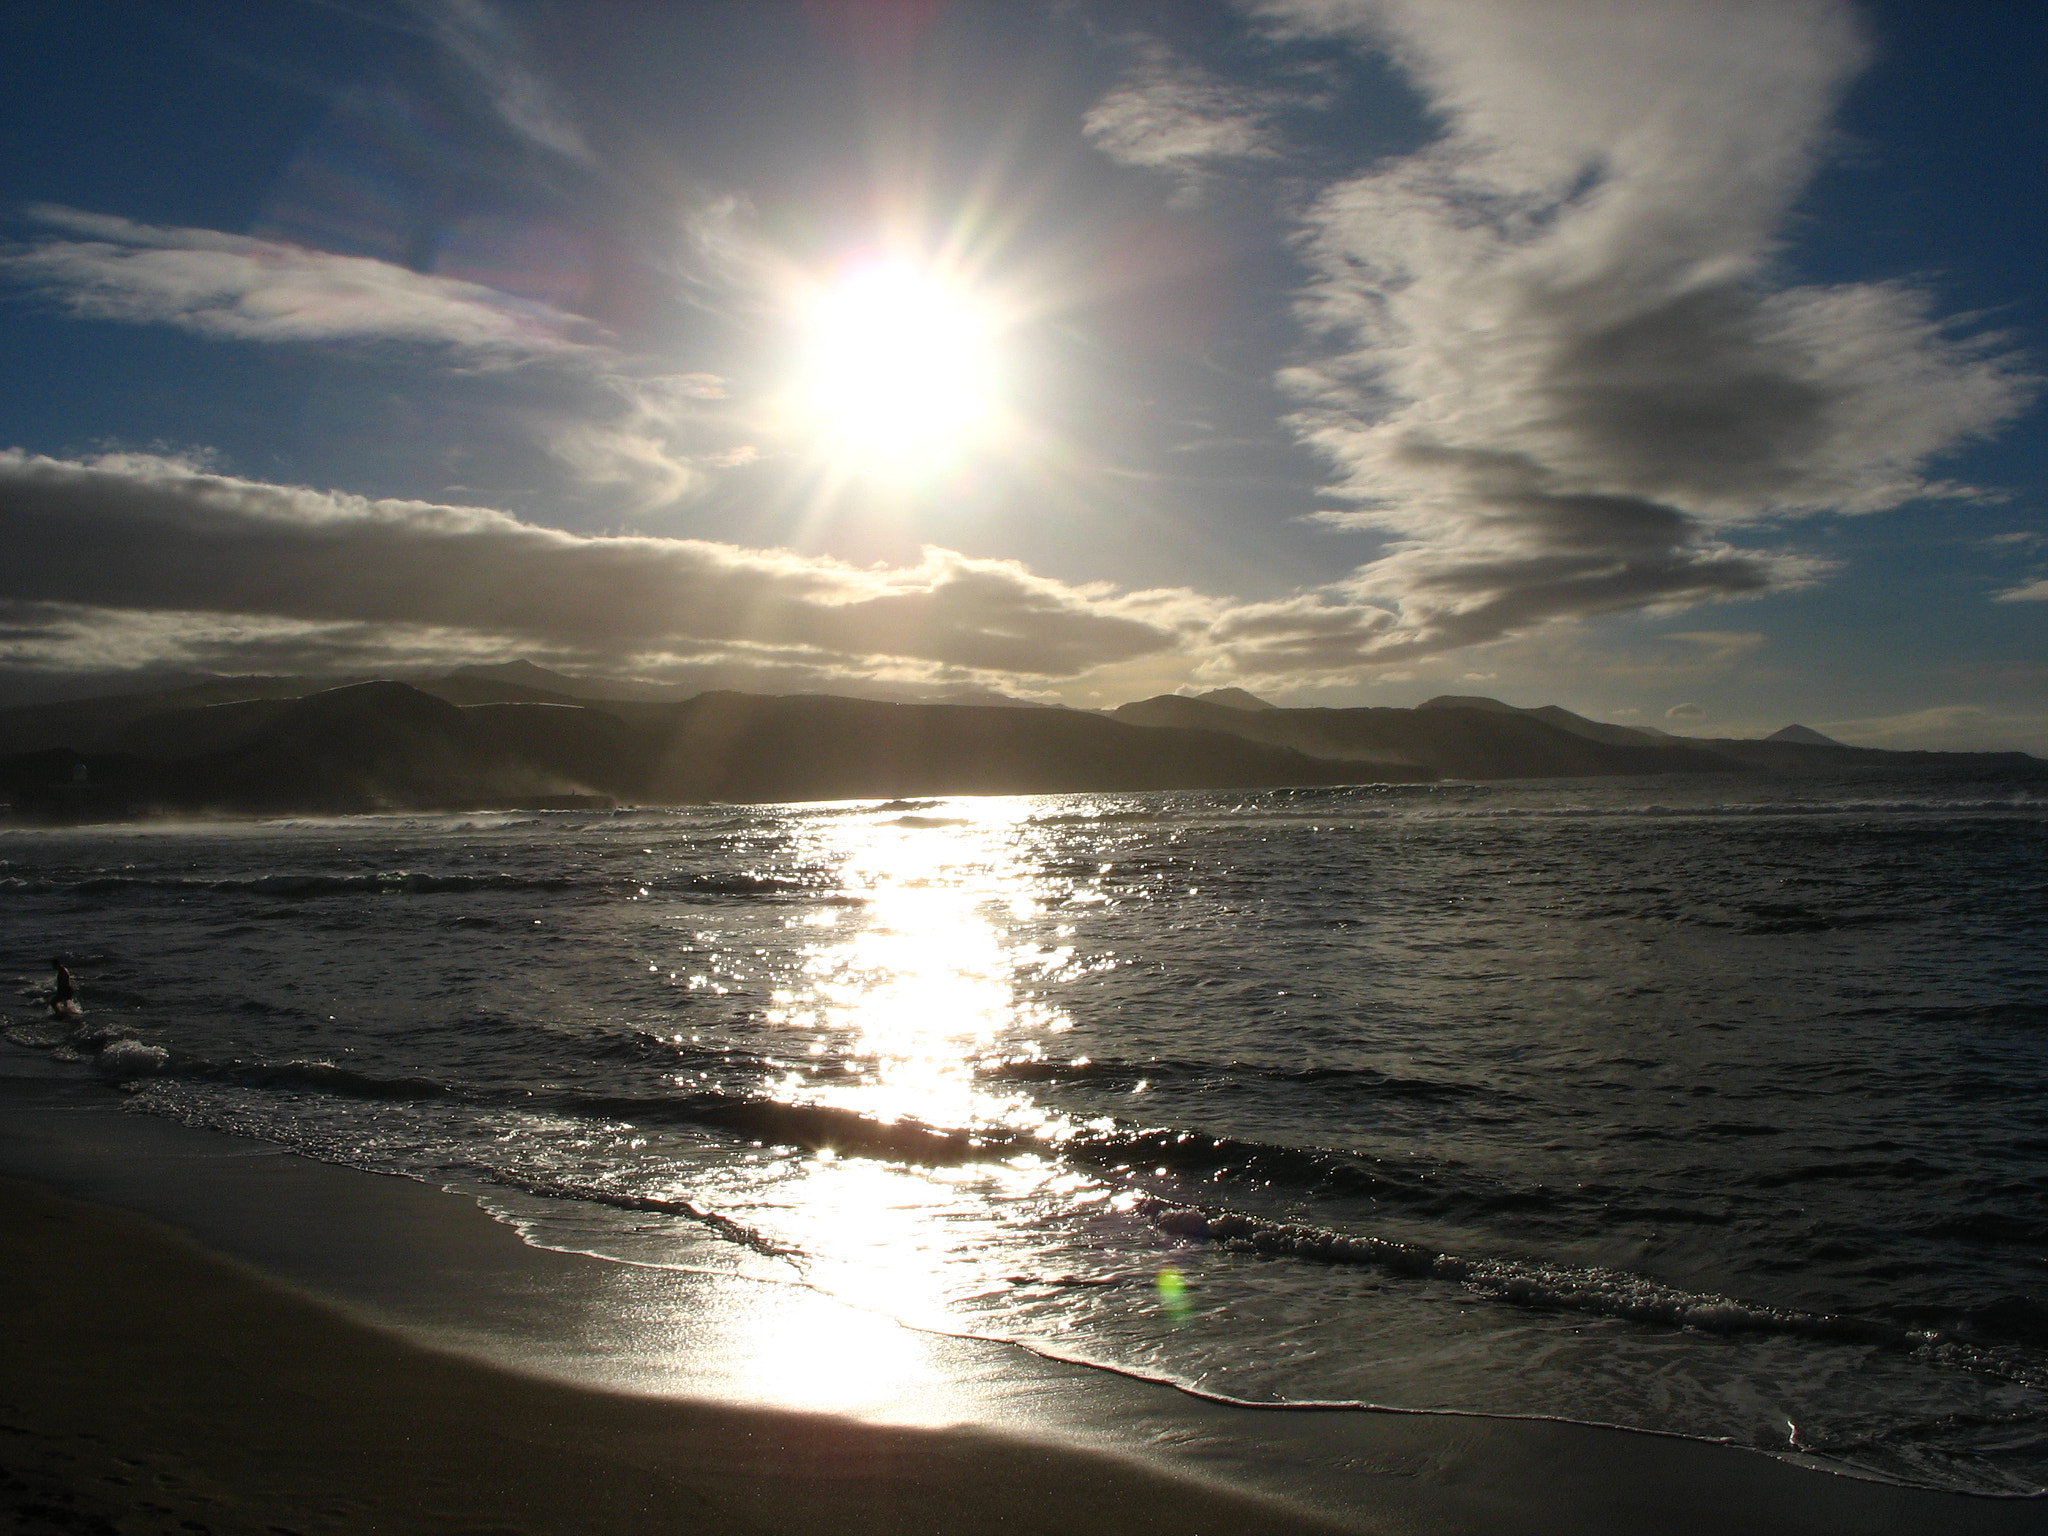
(133, 558)
(134, 536)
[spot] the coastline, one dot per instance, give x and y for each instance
(309, 1348)
(154, 1385)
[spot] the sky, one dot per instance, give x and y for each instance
(1676, 361)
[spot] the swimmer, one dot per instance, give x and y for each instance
(64, 998)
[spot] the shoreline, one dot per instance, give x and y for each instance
(438, 1305)
(149, 1378)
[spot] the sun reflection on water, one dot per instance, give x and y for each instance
(820, 1356)
(890, 1009)
(927, 981)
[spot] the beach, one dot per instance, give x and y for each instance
(153, 1386)
(201, 1333)
(956, 766)
(1701, 1110)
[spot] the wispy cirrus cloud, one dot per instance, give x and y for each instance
(237, 288)
(1553, 355)
(2027, 592)
(478, 37)
(648, 435)
(1167, 114)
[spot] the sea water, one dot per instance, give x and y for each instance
(1713, 1106)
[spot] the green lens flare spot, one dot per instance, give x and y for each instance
(1173, 1295)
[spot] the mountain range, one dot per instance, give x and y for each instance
(519, 735)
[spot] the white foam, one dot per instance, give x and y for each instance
(131, 1058)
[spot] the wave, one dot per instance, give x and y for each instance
(2015, 1015)
(625, 1200)
(1097, 818)
(1429, 1190)
(1438, 1190)
(2028, 807)
(1157, 1069)
(812, 1127)
(749, 883)
(2002, 1338)
(1763, 917)
(817, 1127)
(2008, 1333)
(399, 881)
(416, 883)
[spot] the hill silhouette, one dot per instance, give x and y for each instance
(495, 738)
(1563, 719)
(390, 746)
(1452, 738)
(1803, 733)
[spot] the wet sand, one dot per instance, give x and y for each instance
(424, 1371)
(153, 1386)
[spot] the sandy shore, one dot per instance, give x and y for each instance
(380, 1356)
(151, 1386)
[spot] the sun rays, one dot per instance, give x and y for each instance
(899, 368)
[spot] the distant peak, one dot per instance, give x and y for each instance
(520, 671)
(1465, 701)
(1805, 735)
(525, 674)
(1234, 698)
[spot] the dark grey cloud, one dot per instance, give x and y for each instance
(147, 537)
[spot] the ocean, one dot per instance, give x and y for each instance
(1704, 1106)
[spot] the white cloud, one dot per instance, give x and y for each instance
(2029, 592)
(650, 437)
(1169, 115)
(1686, 712)
(654, 438)
(1554, 359)
(232, 287)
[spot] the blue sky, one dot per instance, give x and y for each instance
(1668, 359)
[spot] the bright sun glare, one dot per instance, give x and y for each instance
(901, 366)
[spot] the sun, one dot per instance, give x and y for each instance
(899, 366)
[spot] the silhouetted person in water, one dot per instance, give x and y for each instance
(66, 993)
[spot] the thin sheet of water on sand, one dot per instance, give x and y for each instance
(433, 1266)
